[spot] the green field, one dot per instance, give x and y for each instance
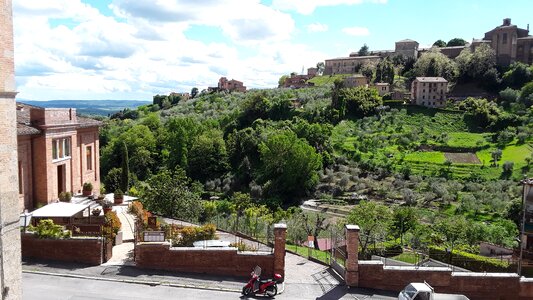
(326, 79)
(467, 140)
(322, 256)
(434, 157)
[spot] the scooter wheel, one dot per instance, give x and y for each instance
(246, 290)
(271, 291)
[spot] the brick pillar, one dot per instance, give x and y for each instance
(10, 266)
(352, 251)
(280, 232)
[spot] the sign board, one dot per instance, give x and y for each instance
(154, 236)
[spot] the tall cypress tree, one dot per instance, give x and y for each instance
(125, 175)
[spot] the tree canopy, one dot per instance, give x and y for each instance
(456, 42)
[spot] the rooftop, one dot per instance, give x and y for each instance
(431, 79)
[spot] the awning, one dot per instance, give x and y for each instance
(60, 209)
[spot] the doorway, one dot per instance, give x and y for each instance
(61, 185)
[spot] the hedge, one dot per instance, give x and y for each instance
(469, 261)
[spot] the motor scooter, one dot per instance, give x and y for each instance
(258, 286)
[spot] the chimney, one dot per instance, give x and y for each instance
(507, 22)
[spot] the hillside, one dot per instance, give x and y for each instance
(90, 107)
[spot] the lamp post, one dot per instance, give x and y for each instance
(527, 184)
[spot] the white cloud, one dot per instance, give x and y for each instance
(356, 31)
(317, 27)
(145, 50)
(307, 7)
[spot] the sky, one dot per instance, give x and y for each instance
(134, 49)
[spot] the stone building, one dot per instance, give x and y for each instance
(509, 42)
(407, 48)
(299, 81)
(348, 65)
(382, 88)
(429, 91)
(355, 81)
(58, 151)
(10, 263)
(230, 85)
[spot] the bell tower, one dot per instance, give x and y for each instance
(10, 263)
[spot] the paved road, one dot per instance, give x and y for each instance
(44, 287)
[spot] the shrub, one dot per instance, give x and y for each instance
(46, 229)
(469, 261)
(112, 224)
(65, 196)
(190, 234)
(87, 186)
(242, 246)
(118, 193)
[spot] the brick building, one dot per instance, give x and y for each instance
(429, 91)
(230, 85)
(509, 42)
(348, 65)
(58, 151)
(296, 81)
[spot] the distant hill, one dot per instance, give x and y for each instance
(89, 107)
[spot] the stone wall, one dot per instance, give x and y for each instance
(487, 286)
(81, 250)
(162, 256)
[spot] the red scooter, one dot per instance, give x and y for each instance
(258, 286)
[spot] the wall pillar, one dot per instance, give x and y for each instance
(352, 251)
(10, 265)
(280, 232)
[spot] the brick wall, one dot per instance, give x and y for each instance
(80, 250)
(486, 286)
(230, 262)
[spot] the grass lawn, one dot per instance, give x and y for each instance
(326, 79)
(466, 140)
(435, 157)
(323, 256)
(408, 257)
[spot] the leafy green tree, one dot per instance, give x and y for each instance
(456, 42)
(496, 155)
(434, 63)
(282, 79)
(180, 135)
(509, 96)
(439, 43)
(168, 193)
(452, 231)
(207, 158)
(385, 71)
(526, 94)
(257, 106)
(363, 51)
(403, 220)
(314, 224)
(320, 66)
(485, 113)
(507, 169)
(360, 101)
(194, 92)
(289, 166)
(374, 220)
(125, 170)
(367, 71)
(518, 75)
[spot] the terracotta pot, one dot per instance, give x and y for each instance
(119, 200)
(86, 193)
(106, 209)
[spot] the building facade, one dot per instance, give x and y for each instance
(382, 88)
(58, 151)
(407, 48)
(348, 65)
(10, 263)
(510, 43)
(230, 85)
(429, 91)
(355, 81)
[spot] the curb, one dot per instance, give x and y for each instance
(132, 281)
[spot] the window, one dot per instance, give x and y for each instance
(21, 178)
(423, 97)
(504, 39)
(61, 148)
(423, 91)
(89, 156)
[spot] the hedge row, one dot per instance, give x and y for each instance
(469, 261)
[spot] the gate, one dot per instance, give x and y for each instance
(338, 251)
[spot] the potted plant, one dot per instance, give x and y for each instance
(118, 196)
(65, 196)
(96, 212)
(107, 206)
(87, 189)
